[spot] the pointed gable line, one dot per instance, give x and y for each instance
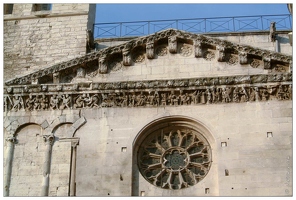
(148, 43)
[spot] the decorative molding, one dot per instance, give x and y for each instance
(149, 43)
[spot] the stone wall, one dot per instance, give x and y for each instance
(32, 42)
(258, 163)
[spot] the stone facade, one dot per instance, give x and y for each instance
(168, 114)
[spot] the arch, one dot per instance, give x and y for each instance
(166, 122)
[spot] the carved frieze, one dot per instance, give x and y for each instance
(176, 92)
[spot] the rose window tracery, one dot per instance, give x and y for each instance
(174, 158)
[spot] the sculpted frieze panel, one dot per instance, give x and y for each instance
(177, 93)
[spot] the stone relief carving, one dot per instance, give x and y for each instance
(255, 63)
(209, 55)
(232, 60)
(165, 97)
(162, 50)
(185, 50)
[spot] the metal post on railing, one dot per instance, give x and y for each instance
(120, 30)
(233, 24)
(177, 24)
(261, 23)
(148, 27)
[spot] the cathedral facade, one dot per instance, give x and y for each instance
(168, 114)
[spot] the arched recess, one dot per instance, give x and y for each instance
(164, 129)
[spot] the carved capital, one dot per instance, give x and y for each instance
(172, 44)
(198, 49)
(127, 60)
(267, 62)
(11, 139)
(150, 50)
(221, 53)
(74, 143)
(243, 57)
(48, 139)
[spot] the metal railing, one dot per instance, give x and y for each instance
(197, 25)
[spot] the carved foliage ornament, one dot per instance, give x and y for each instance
(174, 158)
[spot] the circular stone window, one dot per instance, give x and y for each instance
(174, 158)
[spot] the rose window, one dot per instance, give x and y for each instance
(174, 158)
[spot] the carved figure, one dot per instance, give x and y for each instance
(226, 95)
(80, 101)
(54, 102)
(141, 99)
(156, 99)
(264, 94)
(66, 101)
(37, 103)
(17, 103)
(163, 99)
(43, 102)
(257, 94)
(209, 96)
(30, 103)
(93, 101)
(244, 95)
(236, 95)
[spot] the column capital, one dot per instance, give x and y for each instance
(11, 138)
(49, 139)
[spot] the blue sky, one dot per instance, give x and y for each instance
(125, 12)
(131, 12)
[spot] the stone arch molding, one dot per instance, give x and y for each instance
(12, 126)
(173, 152)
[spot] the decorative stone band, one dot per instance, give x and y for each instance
(149, 93)
(128, 50)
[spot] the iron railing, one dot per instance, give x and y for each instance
(198, 25)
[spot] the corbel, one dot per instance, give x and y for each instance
(267, 62)
(173, 44)
(103, 69)
(127, 60)
(197, 48)
(221, 53)
(56, 77)
(243, 57)
(150, 50)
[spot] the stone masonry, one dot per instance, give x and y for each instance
(168, 114)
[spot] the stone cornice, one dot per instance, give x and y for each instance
(171, 36)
